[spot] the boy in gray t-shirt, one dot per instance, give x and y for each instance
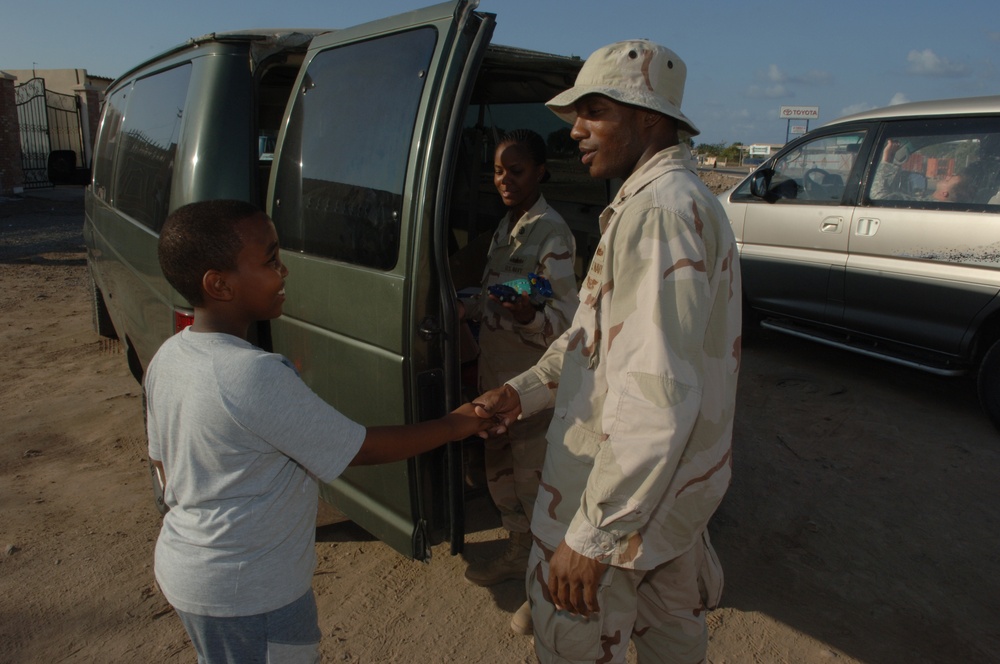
(241, 441)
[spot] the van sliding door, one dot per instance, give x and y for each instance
(354, 196)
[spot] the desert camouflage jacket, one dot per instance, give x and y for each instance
(644, 381)
(538, 242)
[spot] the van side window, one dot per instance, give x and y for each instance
(114, 110)
(339, 186)
(944, 164)
(148, 143)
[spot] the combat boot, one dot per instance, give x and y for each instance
(521, 622)
(511, 564)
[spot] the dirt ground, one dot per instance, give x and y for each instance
(861, 526)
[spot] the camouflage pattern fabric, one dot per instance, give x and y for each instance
(643, 386)
(514, 469)
(539, 242)
(662, 610)
(885, 174)
(644, 381)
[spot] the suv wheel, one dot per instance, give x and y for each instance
(989, 383)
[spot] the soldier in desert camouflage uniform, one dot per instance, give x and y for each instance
(531, 238)
(643, 384)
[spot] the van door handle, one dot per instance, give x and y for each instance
(831, 225)
(866, 226)
(429, 328)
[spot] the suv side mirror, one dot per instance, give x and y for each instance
(760, 183)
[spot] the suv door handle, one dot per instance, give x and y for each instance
(866, 226)
(831, 225)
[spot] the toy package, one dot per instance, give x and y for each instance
(538, 289)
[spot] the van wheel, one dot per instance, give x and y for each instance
(989, 383)
(101, 319)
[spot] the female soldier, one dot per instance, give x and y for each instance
(531, 237)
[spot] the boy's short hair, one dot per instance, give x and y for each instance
(199, 237)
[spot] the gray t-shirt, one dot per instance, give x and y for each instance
(241, 438)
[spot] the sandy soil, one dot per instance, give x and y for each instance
(862, 524)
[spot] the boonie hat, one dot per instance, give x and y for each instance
(635, 72)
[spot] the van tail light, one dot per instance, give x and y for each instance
(182, 319)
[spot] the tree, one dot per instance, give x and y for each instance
(711, 149)
(732, 153)
(727, 153)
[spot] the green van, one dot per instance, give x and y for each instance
(371, 148)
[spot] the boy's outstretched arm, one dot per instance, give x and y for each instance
(393, 443)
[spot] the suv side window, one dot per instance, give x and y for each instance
(148, 144)
(342, 168)
(940, 164)
(817, 170)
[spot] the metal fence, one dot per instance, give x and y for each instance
(51, 134)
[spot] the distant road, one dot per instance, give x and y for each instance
(727, 170)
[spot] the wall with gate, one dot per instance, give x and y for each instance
(11, 176)
(69, 123)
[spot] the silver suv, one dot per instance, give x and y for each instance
(880, 233)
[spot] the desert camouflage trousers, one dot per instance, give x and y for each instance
(514, 469)
(662, 610)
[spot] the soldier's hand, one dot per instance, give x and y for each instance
(573, 581)
(502, 404)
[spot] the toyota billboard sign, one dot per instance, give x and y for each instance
(799, 112)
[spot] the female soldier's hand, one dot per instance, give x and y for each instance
(521, 309)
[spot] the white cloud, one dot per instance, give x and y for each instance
(929, 63)
(767, 92)
(860, 107)
(856, 108)
(776, 83)
(777, 76)
(815, 77)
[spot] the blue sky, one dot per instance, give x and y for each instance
(745, 59)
